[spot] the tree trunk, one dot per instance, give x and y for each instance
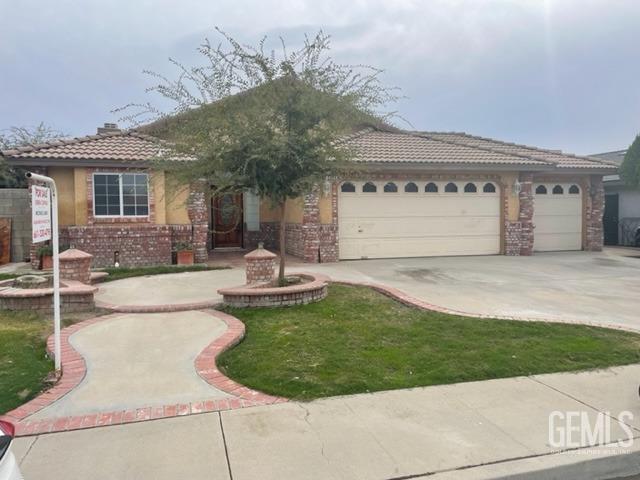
(283, 226)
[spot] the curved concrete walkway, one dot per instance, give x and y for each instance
(187, 289)
(138, 360)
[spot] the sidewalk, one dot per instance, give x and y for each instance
(473, 430)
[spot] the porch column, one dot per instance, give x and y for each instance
(197, 211)
(525, 217)
(311, 226)
(595, 209)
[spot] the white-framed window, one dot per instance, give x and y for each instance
(120, 194)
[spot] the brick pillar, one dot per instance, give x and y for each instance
(198, 215)
(526, 214)
(76, 265)
(260, 265)
(311, 226)
(595, 209)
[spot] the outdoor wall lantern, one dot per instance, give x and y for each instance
(326, 187)
(517, 187)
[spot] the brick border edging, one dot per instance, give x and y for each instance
(74, 370)
(207, 367)
(410, 301)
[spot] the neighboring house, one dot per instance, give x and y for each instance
(419, 194)
(622, 206)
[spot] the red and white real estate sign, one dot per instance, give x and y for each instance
(40, 213)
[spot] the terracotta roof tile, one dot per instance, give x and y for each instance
(120, 146)
(412, 147)
(556, 158)
(371, 144)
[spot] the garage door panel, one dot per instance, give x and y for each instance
(421, 227)
(391, 225)
(560, 224)
(558, 206)
(435, 246)
(558, 221)
(548, 242)
(375, 206)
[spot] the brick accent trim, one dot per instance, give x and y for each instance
(199, 216)
(594, 234)
(74, 370)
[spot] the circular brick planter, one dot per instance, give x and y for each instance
(260, 296)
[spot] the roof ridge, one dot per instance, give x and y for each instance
(477, 147)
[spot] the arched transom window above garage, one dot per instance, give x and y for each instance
(390, 187)
(369, 187)
(470, 188)
(450, 187)
(431, 188)
(411, 188)
(348, 187)
(489, 188)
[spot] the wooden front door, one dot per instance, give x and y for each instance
(226, 214)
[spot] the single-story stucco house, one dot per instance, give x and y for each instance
(621, 206)
(417, 194)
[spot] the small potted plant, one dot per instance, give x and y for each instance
(184, 252)
(45, 253)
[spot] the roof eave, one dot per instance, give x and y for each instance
(74, 162)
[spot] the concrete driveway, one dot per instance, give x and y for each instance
(589, 287)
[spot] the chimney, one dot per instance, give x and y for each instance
(109, 128)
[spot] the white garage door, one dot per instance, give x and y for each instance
(415, 219)
(557, 217)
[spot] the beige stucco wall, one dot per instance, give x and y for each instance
(157, 185)
(513, 201)
(176, 197)
(80, 190)
(65, 184)
(271, 213)
(170, 200)
(326, 210)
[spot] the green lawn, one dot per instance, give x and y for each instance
(358, 340)
(123, 272)
(23, 364)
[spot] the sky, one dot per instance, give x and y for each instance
(561, 74)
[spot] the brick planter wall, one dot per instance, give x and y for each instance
(74, 297)
(248, 296)
(76, 265)
(260, 266)
(137, 244)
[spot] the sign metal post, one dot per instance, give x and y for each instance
(45, 227)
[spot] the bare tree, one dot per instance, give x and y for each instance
(12, 137)
(264, 120)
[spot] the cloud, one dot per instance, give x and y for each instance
(557, 73)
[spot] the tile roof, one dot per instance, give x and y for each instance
(377, 146)
(616, 157)
(125, 146)
(372, 145)
(555, 158)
